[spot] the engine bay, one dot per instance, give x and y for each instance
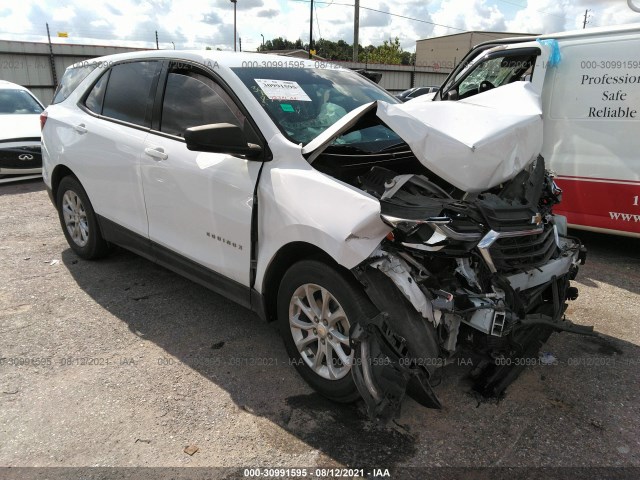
(480, 274)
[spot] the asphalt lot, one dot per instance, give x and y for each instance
(123, 363)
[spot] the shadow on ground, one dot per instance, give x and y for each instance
(611, 259)
(22, 186)
(196, 326)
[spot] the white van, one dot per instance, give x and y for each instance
(590, 86)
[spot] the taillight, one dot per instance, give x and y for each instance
(43, 119)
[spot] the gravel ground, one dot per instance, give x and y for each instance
(121, 363)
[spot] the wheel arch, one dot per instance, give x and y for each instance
(284, 258)
(59, 172)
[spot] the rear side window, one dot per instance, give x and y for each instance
(192, 99)
(72, 77)
(127, 94)
(95, 98)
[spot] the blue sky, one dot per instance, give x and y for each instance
(189, 24)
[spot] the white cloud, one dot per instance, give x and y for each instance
(549, 16)
(468, 15)
(191, 24)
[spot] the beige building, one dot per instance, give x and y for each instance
(445, 52)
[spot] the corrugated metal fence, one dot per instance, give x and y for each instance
(396, 78)
(34, 66)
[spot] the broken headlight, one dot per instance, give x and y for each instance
(435, 233)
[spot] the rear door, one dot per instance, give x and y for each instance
(199, 204)
(106, 142)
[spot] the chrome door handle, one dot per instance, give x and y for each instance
(156, 153)
(81, 129)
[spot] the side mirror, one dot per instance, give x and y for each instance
(452, 95)
(220, 138)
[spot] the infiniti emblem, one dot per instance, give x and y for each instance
(25, 157)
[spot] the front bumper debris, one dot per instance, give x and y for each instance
(383, 369)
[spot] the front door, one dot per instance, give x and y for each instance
(198, 204)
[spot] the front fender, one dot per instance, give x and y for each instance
(299, 204)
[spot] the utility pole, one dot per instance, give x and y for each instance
(356, 28)
(584, 23)
(240, 42)
(52, 61)
(311, 30)
(235, 43)
(157, 44)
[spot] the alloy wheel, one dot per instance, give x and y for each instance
(75, 218)
(320, 331)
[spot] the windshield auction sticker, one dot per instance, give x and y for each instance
(282, 90)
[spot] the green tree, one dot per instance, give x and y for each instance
(278, 44)
(390, 52)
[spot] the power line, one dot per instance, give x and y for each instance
(539, 11)
(386, 13)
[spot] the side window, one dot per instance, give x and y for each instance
(192, 99)
(485, 71)
(496, 72)
(127, 94)
(72, 77)
(95, 98)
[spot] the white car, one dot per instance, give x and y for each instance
(385, 238)
(19, 133)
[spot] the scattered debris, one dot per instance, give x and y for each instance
(547, 358)
(141, 440)
(55, 261)
(27, 258)
(596, 424)
(217, 346)
(191, 449)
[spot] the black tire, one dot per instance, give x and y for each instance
(88, 242)
(356, 306)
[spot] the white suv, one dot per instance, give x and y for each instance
(385, 238)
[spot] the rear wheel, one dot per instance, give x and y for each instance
(317, 306)
(78, 220)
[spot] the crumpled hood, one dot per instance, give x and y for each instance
(474, 144)
(19, 126)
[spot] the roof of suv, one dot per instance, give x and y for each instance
(223, 59)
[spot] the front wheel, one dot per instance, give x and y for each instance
(317, 306)
(78, 220)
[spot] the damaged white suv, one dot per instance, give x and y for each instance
(385, 238)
